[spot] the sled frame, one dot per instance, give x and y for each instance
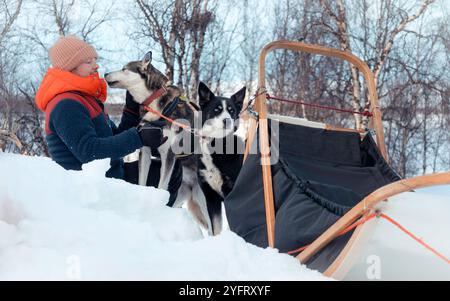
(367, 205)
(261, 108)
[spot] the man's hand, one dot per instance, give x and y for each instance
(151, 134)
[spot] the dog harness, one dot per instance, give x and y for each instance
(157, 94)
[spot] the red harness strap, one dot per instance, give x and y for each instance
(365, 113)
(157, 94)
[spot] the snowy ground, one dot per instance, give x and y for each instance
(67, 225)
(396, 256)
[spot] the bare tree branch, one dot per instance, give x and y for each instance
(9, 18)
(383, 54)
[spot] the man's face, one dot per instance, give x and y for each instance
(87, 68)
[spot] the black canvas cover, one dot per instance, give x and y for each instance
(319, 176)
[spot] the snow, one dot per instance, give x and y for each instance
(77, 225)
(425, 213)
(115, 96)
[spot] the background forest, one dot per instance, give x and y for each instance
(406, 43)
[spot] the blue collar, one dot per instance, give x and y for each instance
(171, 107)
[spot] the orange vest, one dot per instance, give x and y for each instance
(57, 81)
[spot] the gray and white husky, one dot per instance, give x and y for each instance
(150, 87)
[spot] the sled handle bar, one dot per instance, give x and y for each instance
(330, 52)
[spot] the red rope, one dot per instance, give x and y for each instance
(349, 228)
(183, 126)
(365, 113)
(420, 241)
(392, 221)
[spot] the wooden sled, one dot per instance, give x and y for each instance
(339, 268)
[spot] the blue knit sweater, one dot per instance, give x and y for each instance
(76, 134)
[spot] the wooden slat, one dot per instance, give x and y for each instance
(261, 108)
(344, 253)
(339, 129)
(253, 124)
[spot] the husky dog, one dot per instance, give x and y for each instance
(149, 87)
(209, 179)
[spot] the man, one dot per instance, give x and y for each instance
(78, 130)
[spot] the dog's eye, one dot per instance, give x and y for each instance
(231, 110)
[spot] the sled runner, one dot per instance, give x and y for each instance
(324, 193)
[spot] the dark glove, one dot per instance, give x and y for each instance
(151, 135)
(131, 105)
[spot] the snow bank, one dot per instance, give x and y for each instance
(396, 256)
(67, 225)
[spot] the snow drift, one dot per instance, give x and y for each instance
(77, 225)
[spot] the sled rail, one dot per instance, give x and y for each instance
(365, 207)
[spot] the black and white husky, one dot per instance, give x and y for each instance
(209, 177)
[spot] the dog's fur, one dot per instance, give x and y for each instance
(207, 178)
(142, 79)
(222, 155)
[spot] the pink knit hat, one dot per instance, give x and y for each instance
(69, 52)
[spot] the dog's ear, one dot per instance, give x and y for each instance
(147, 60)
(204, 94)
(238, 98)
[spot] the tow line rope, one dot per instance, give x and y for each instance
(392, 221)
(185, 126)
(417, 239)
(365, 113)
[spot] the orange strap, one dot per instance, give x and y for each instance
(420, 241)
(349, 228)
(183, 126)
(392, 221)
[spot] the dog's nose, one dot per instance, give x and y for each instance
(106, 74)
